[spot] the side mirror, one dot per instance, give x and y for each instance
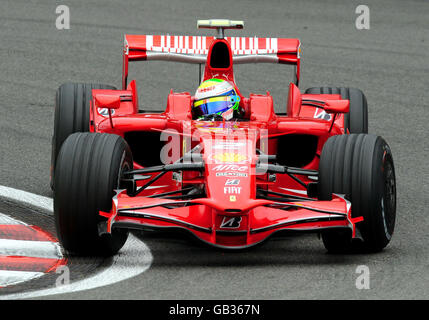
(337, 106)
(107, 100)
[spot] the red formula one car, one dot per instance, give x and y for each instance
(231, 182)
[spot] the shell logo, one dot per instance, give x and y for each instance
(229, 157)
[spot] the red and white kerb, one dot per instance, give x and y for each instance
(26, 252)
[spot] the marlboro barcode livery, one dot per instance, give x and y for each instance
(200, 45)
(224, 167)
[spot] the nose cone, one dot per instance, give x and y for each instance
(230, 168)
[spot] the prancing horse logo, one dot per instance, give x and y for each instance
(230, 222)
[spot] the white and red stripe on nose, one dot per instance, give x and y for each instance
(26, 252)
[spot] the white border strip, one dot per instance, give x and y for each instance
(33, 249)
(12, 277)
(28, 198)
(6, 220)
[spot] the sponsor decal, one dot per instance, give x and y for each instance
(228, 145)
(232, 198)
(105, 112)
(230, 167)
(232, 190)
(230, 157)
(321, 114)
(206, 126)
(230, 222)
(232, 182)
(210, 88)
(231, 174)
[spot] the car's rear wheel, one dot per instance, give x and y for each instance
(360, 166)
(89, 170)
(72, 102)
(356, 120)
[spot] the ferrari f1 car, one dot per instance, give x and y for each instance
(230, 183)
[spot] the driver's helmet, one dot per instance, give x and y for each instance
(216, 99)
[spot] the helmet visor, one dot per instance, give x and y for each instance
(215, 105)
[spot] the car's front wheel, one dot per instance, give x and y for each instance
(88, 171)
(360, 167)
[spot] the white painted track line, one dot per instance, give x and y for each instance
(6, 220)
(28, 198)
(9, 277)
(34, 249)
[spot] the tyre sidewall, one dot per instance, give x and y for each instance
(374, 229)
(87, 175)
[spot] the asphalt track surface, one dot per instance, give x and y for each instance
(389, 62)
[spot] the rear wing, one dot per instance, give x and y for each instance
(194, 49)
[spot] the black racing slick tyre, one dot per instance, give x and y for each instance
(88, 171)
(72, 101)
(360, 167)
(356, 120)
